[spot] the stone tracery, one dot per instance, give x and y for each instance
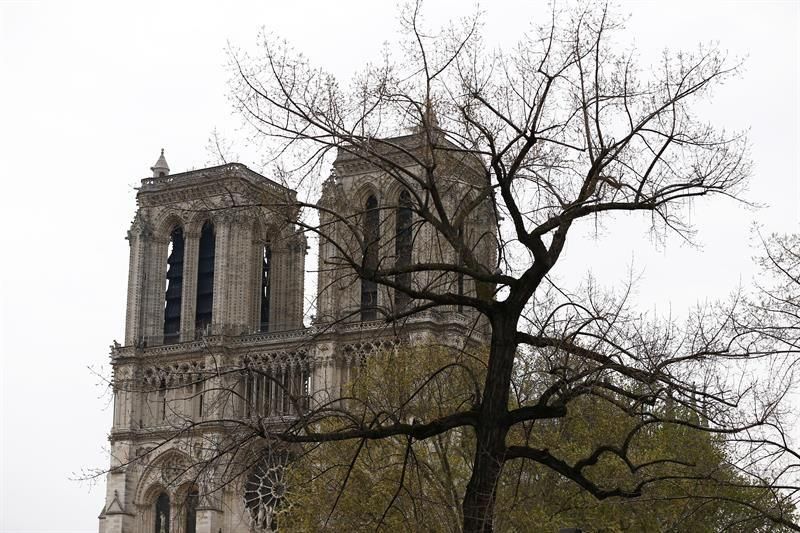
(265, 489)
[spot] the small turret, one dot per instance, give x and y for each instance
(161, 168)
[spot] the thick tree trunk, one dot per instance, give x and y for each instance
(491, 432)
(479, 499)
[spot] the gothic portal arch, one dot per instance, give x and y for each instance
(167, 471)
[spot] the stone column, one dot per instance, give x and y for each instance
(133, 325)
(123, 397)
(256, 267)
(325, 375)
(191, 247)
(287, 271)
(217, 396)
(232, 275)
(118, 512)
(238, 274)
(153, 288)
(279, 278)
(221, 247)
(325, 279)
(297, 271)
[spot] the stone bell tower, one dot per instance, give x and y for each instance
(216, 272)
(208, 236)
(215, 345)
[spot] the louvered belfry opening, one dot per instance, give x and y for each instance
(402, 248)
(205, 279)
(265, 286)
(369, 288)
(172, 304)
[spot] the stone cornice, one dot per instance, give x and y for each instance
(286, 344)
(210, 182)
(402, 151)
(211, 174)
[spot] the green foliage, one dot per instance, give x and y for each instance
(392, 483)
(687, 483)
(395, 484)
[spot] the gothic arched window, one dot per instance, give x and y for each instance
(369, 288)
(402, 247)
(205, 278)
(172, 298)
(162, 513)
(191, 511)
(266, 263)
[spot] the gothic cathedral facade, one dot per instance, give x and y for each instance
(216, 285)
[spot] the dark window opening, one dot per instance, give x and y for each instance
(402, 249)
(196, 404)
(249, 394)
(162, 393)
(191, 511)
(172, 298)
(162, 513)
(205, 279)
(265, 287)
(369, 288)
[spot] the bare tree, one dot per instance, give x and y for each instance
(774, 311)
(501, 156)
(563, 129)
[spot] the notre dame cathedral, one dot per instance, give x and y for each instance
(216, 285)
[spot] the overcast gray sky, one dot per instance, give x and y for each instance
(92, 90)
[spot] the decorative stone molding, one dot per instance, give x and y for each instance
(356, 353)
(140, 227)
(277, 361)
(115, 506)
(173, 375)
(122, 376)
